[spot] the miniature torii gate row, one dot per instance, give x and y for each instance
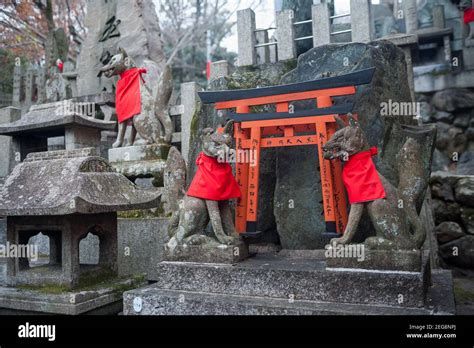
(254, 131)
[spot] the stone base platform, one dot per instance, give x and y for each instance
(101, 299)
(395, 260)
(142, 161)
(228, 254)
(272, 284)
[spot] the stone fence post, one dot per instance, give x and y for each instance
(40, 84)
(9, 154)
(219, 69)
(246, 37)
(285, 33)
(29, 88)
(262, 52)
(411, 18)
(361, 21)
(16, 86)
(321, 24)
(189, 99)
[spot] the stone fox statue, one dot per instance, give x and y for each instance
(392, 211)
(136, 105)
(208, 195)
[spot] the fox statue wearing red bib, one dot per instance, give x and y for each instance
(397, 227)
(135, 104)
(207, 198)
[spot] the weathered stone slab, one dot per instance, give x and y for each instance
(152, 300)
(173, 302)
(142, 169)
(54, 116)
(277, 277)
(140, 245)
(69, 303)
(61, 183)
(396, 260)
(229, 254)
(132, 25)
(145, 161)
(9, 114)
(139, 153)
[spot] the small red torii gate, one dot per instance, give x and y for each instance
(254, 131)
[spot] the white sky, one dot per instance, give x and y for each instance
(264, 15)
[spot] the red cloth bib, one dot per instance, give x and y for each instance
(127, 96)
(213, 180)
(469, 15)
(361, 179)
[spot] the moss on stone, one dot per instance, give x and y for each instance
(105, 279)
(158, 212)
(463, 295)
(260, 75)
(290, 64)
(195, 123)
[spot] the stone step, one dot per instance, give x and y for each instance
(152, 300)
(104, 298)
(273, 277)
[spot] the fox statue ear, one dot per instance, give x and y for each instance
(206, 131)
(228, 126)
(352, 121)
(124, 53)
(340, 122)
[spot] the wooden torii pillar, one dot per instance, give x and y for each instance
(254, 131)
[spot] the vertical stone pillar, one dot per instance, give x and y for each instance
(41, 84)
(219, 69)
(190, 101)
(438, 17)
(246, 37)
(409, 63)
(16, 86)
(29, 88)
(108, 241)
(447, 50)
(361, 21)
(12, 263)
(273, 51)
(263, 53)
(409, 13)
(70, 251)
(80, 137)
(7, 153)
(396, 9)
(321, 24)
(285, 33)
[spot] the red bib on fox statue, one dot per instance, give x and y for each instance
(361, 179)
(469, 15)
(213, 180)
(127, 96)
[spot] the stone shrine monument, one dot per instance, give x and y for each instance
(133, 26)
(65, 195)
(72, 119)
(310, 277)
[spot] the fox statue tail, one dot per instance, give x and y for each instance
(413, 183)
(174, 180)
(163, 95)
